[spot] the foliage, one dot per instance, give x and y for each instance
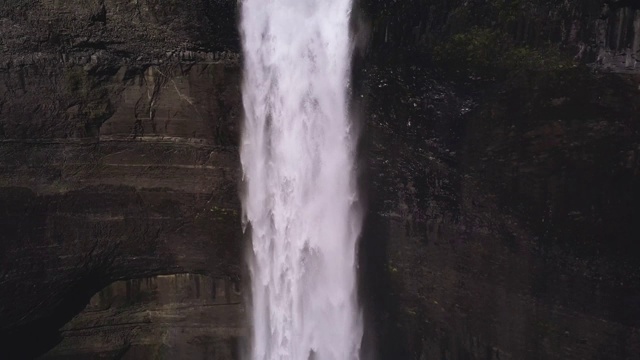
(489, 53)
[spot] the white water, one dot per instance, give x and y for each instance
(301, 197)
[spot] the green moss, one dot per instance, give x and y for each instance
(391, 268)
(491, 39)
(547, 58)
(91, 95)
(77, 82)
(222, 213)
(484, 52)
(545, 328)
(508, 10)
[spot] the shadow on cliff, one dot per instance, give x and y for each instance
(51, 270)
(383, 338)
(34, 339)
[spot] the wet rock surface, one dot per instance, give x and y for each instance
(480, 259)
(170, 316)
(501, 181)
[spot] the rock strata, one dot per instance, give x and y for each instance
(500, 158)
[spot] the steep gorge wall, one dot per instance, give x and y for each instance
(504, 209)
(152, 189)
(119, 159)
(119, 123)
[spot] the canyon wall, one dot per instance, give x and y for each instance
(500, 162)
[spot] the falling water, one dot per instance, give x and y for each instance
(300, 199)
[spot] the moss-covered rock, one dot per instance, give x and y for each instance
(488, 53)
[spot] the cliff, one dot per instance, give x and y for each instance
(500, 160)
(119, 163)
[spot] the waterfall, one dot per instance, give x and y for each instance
(300, 200)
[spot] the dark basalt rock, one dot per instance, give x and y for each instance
(500, 160)
(487, 251)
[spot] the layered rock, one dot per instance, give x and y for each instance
(149, 189)
(170, 316)
(501, 199)
(114, 168)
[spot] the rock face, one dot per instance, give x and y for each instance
(604, 33)
(114, 166)
(504, 206)
(152, 191)
(172, 316)
(500, 168)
